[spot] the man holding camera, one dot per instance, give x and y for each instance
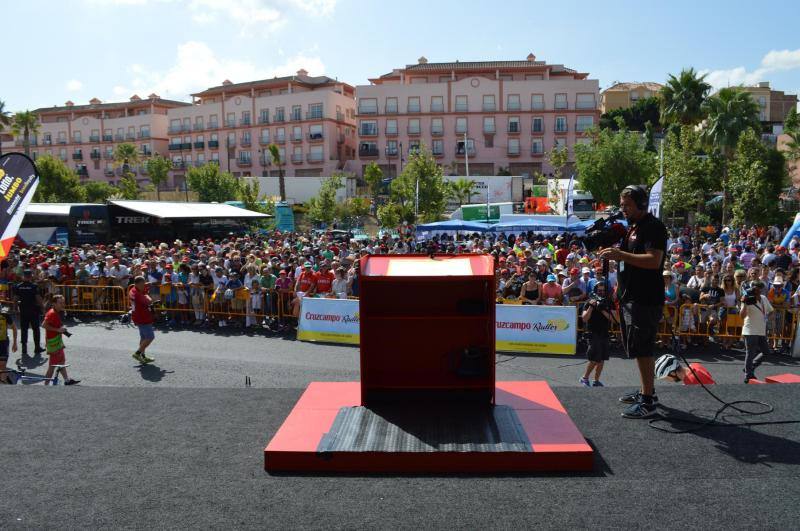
(754, 310)
(641, 293)
(142, 317)
(598, 317)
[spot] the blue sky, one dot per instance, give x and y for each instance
(111, 49)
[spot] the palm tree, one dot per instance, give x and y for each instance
(731, 111)
(125, 156)
(5, 120)
(26, 123)
(462, 190)
(682, 98)
(275, 153)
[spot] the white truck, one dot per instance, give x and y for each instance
(583, 202)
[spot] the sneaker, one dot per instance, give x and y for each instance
(584, 382)
(634, 397)
(72, 381)
(640, 410)
(138, 357)
(147, 359)
(597, 383)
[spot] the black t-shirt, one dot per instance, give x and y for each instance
(27, 293)
(643, 286)
(716, 293)
(598, 323)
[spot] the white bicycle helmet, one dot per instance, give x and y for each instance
(665, 365)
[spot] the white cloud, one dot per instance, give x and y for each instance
(197, 68)
(250, 16)
(73, 85)
(774, 61)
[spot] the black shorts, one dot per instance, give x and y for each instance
(639, 328)
(599, 347)
(4, 350)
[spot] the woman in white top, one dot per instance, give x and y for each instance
(729, 304)
(340, 286)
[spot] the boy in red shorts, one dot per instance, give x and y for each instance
(54, 329)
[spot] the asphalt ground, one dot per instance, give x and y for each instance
(181, 445)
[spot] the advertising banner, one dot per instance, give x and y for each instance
(18, 181)
(537, 329)
(329, 320)
(530, 329)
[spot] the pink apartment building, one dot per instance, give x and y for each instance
(84, 136)
(512, 113)
(311, 119)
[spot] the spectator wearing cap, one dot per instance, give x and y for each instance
(323, 280)
(542, 270)
(574, 288)
(551, 293)
(305, 286)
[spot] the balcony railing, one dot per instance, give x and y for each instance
(437, 107)
(263, 140)
(199, 163)
(512, 106)
(94, 138)
(199, 145)
(339, 116)
(143, 135)
(296, 116)
(61, 141)
(94, 155)
(280, 139)
(390, 110)
(108, 172)
(489, 129)
(513, 151)
(146, 153)
(212, 125)
(108, 138)
(437, 152)
(367, 110)
(279, 118)
(230, 123)
(315, 137)
(413, 131)
(391, 152)
(561, 128)
(186, 145)
(561, 105)
(297, 158)
(213, 144)
(369, 131)
(537, 127)
(413, 108)
(75, 140)
(77, 156)
(437, 131)
(391, 131)
(246, 141)
(244, 162)
(119, 138)
(368, 152)
(469, 151)
(586, 105)
(265, 161)
(460, 130)
(130, 136)
(315, 157)
(83, 172)
(263, 119)
(175, 129)
(245, 122)
(175, 147)
(461, 107)
(296, 138)
(581, 128)
(198, 127)
(314, 115)
(489, 107)
(178, 165)
(537, 106)
(230, 142)
(513, 128)
(537, 149)
(47, 142)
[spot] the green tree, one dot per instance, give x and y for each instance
(790, 123)
(373, 175)
(558, 158)
(98, 191)
(26, 123)
(252, 198)
(611, 161)
(423, 169)
(682, 98)
(730, 112)
(635, 117)
(57, 182)
(757, 175)
(158, 170)
(390, 214)
(275, 154)
(211, 184)
(689, 173)
(5, 120)
(126, 156)
(128, 187)
(322, 208)
(461, 190)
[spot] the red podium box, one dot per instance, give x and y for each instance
(427, 327)
(783, 378)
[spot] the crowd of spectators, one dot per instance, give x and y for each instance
(706, 271)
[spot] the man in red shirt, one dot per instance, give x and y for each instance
(324, 280)
(54, 329)
(306, 284)
(668, 367)
(142, 317)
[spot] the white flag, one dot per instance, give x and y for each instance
(654, 204)
(570, 194)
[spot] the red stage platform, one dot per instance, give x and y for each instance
(542, 435)
(783, 378)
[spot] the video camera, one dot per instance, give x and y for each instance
(750, 295)
(605, 232)
(602, 304)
